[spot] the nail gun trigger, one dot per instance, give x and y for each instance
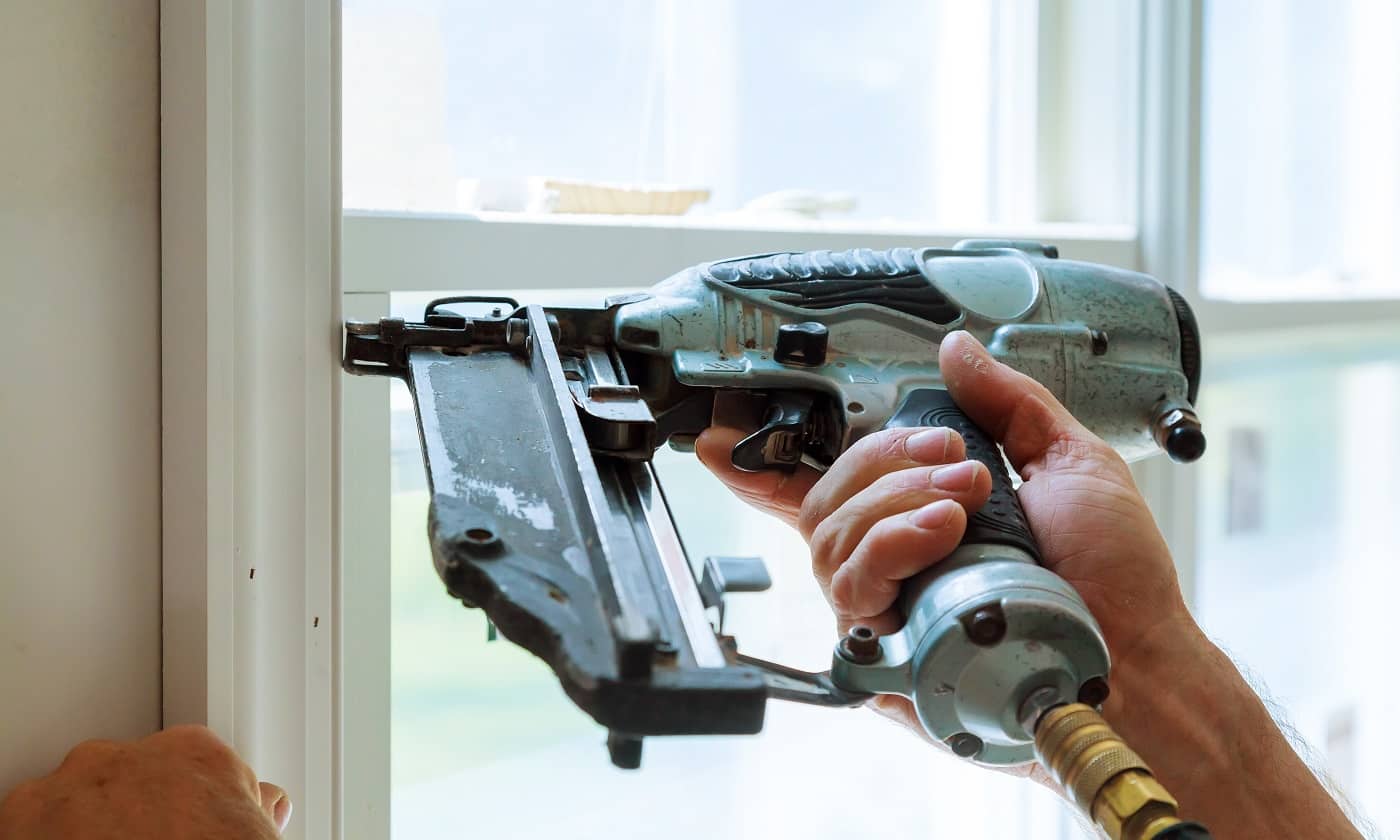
(779, 442)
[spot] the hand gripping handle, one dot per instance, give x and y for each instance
(1001, 521)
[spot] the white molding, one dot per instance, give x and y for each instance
(250, 379)
(386, 252)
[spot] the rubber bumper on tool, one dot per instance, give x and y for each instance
(1184, 831)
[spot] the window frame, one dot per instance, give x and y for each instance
(1170, 240)
(382, 250)
(250, 381)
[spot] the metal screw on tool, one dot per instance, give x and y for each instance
(964, 744)
(861, 646)
(986, 625)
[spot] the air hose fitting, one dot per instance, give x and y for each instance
(1107, 780)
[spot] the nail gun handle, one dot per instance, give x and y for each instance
(1001, 521)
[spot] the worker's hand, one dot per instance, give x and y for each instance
(177, 784)
(896, 503)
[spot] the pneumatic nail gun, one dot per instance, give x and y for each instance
(538, 425)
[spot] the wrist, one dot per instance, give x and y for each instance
(1183, 706)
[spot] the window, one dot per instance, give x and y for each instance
(1293, 513)
(826, 125)
(894, 111)
(943, 119)
(1299, 200)
(1301, 187)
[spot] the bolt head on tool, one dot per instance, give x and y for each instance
(861, 646)
(964, 744)
(986, 625)
(1094, 691)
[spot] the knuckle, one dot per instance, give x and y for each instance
(889, 444)
(809, 515)
(843, 592)
(89, 754)
(823, 543)
(197, 742)
(1086, 450)
(880, 447)
(20, 800)
(191, 735)
(885, 538)
(896, 486)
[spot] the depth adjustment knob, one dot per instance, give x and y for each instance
(801, 344)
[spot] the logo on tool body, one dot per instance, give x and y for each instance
(725, 367)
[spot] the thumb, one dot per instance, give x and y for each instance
(1018, 412)
(276, 804)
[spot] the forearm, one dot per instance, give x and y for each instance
(1185, 708)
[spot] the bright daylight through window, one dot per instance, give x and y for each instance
(1301, 122)
(733, 112)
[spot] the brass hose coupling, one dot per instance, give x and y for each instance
(1107, 780)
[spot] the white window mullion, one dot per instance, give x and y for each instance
(1169, 213)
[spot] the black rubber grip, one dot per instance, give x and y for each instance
(1001, 521)
(1184, 831)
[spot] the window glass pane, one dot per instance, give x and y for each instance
(483, 737)
(1298, 550)
(893, 110)
(1301, 149)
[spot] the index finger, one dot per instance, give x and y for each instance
(775, 491)
(871, 457)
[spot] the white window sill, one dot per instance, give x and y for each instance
(386, 252)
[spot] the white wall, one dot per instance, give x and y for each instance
(80, 377)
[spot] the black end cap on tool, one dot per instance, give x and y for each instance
(625, 750)
(1185, 443)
